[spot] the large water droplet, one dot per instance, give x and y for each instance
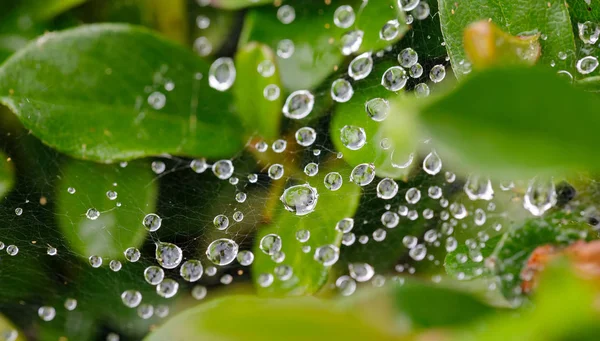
(353, 137)
(432, 163)
(351, 41)
(222, 251)
(341, 90)
(298, 104)
(363, 174)
(361, 272)
(168, 255)
(191, 270)
(221, 74)
(478, 187)
(360, 67)
(387, 189)
(333, 181)
(540, 196)
(270, 244)
(327, 254)
(300, 199)
(377, 109)
(344, 16)
(394, 78)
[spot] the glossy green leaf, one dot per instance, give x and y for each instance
(428, 305)
(251, 318)
(308, 274)
(562, 309)
(372, 16)
(396, 132)
(486, 45)
(518, 245)
(519, 123)
(237, 4)
(522, 17)
(260, 116)
(35, 10)
(93, 103)
(119, 225)
(7, 176)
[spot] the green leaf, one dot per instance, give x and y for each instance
(259, 115)
(524, 17)
(397, 130)
(561, 310)
(251, 318)
(486, 45)
(315, 51)
(7, 176)
(428, 305)
(237, 4)
(92, 103)
(118, 227)
(308, 274)
(518, 245)
(519, 123)
(372, 16)
(35, 10)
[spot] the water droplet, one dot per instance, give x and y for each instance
(221, 74)
(115, 265)
(221, 222)
(279, 146)
(92, 214)
(265, 280)
(351, 41)
(540, 196)
(285, 48)
(202, 46)
(95, 261)
(302, 236)
(71, 190)
(154, 275)
(394, 78)
(18, 211)
(480, 217)
(271, 92)
(432, 163)
(418, 252)
(132, 254)
(416, 70)
(298, 104)
(345, 225)
(145, 311)
(223, 169)
(300, 199)
(152, 222)
(222, 251)
(202, 22)
(387, 189)
(191, 270)
(408, 5)
(167, 288)
(240, 197)
(333, 181)
(361, 272)
(327, 254)
(131, 298)
(353, 137)
(47, 313)
(437, 73)
(311, 169)
(451, 244)
(157, 100)
(421, 90)
(377, 109)
(198, 165)
(422, 11)
(413, 195)
(158, 167)
(588, 32)
(587, 65)
(341, 90)
(70, 304)
(390, 219)
(360, 67)
(390, 30)
(363, 174)
(199, 292)
(478, 187)
(245, 257)
(275, 171)
(434, 192)
(283, 272)
(286, 14)
(408, 57)
(344, 16)
(346, 285)
(168, 255)
(458, 210)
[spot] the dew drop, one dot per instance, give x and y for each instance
(432, 163)
(351, 41)
(222, 251)
(341, 90)
(286, 14)
(167, 288)
(221, 74)
(92, 214)
(345, 285)
(154, 275)
(191, 270)
(168, 255)
(390, 30)
(363, 174)
(221, 222)
(245, 257)
(360, 67)
(408, 57)
(327, 254)
(361, 272)
(223, 169)
(333, 181)
(387, 189)
(540, 196)
(344, 16)
(132, 254)
(300, 199)
(152, 222)
(298, 104)
(353, 137)
(377, 109)
(394, 78)
(478, 187)
(47, 313)
(131, 298)
(437, 73)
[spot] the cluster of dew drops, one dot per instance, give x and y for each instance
(302, 199)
